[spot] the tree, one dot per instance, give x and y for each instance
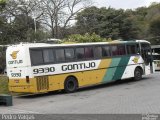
(22, 21)
(59, 13)
(88, 19)
(2, 4)
(108, 23)
(154, 29)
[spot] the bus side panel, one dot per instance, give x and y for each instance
(85, 78)
(116, 68)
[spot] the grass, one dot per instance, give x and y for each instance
(4, 85)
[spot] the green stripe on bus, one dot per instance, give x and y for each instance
(111, 70)
(122, 66)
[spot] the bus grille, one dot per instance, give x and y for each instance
(42, 83)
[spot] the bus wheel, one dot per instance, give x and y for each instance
(137, 74)
(70, 85)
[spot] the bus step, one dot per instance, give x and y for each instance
(6, 100)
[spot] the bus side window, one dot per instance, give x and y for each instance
(48, 56)
(80, 53)
(88, 51)
(69, 54)
(121, 50)
(98, 52)
(114, 50)
(131, 49)
(60, 57)
(106, 51)
(36, 57)
(118, 50)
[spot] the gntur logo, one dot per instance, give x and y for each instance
(135, 60)
(14, 54)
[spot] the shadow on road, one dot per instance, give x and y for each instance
(113, 83)
(88, 88)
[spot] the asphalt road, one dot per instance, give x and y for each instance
(124, 97)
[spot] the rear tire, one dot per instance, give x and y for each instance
(137, 74)
(70, 85)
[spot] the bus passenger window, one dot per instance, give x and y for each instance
(114, 50)
(69, 54)
(80, 53)
(36, 57)
(106, 51)
(121, 50)
(98, 52)
(131, 49)
(60, 55)
(118, 50)
(48, 56)
(88, 52)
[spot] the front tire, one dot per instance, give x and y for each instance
(70, 85)
(137, 74)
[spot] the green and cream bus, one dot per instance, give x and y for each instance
(40, 67)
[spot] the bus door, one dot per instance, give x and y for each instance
(147, 57)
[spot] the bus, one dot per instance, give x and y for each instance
(40, 67)
(156, 56)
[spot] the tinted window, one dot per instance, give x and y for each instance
(105, 51)
(114, 50)
(88, 52)
(98, 52)
(36, 57)
(48, 56)
(69, 53)
(121, 50)
(131, 49)
(118, 50)
(79, 53)
(60, 55)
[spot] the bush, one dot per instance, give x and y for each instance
(3, 85)
(85, 38)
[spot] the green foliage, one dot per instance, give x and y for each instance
(2, 59)
(3, 85)
(141, 23)
(108, 23)
(21, 29)
(85, 38)
(155, 27)
(2, 4)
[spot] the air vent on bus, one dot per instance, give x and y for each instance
(42, 83)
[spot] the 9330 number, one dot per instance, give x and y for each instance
(43, 70)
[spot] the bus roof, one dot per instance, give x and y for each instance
(75, 44)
